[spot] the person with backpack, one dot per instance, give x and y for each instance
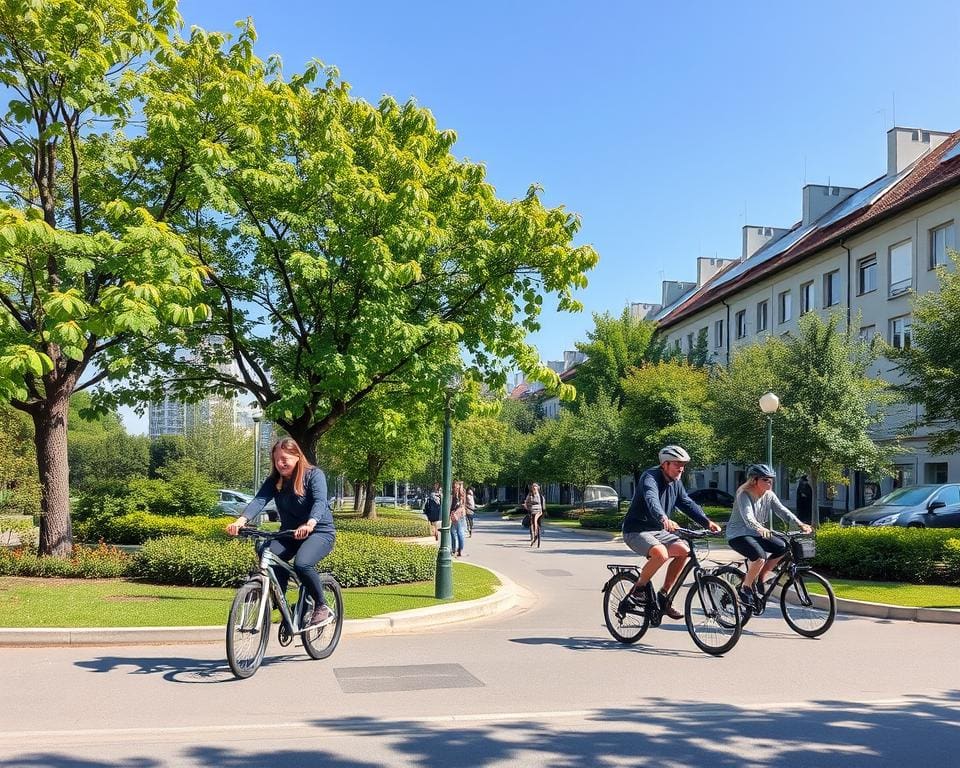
(433, 509)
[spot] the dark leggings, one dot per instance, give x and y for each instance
(306, 553)
(757, 547)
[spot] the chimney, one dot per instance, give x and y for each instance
(818, 199)
(674, 289)
(708, 267)
(754, 238)
(907, 145)
(639, 309)
(572, 357)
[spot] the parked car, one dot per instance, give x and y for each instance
(600, 497)
(234, 502)
(915, 506)
(711, 497)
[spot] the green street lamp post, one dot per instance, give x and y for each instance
(444, 581)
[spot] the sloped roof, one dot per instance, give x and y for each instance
(880, 199)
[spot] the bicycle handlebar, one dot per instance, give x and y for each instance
(699, 533)
(248, 531)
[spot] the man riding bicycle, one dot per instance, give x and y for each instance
(648, 527)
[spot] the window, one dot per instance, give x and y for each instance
(903, 475)
(741, 318)
(867, 274)
(676, 344)
(761, 316)
(806, 297)
(784, 307)
(831, 288)
(868, 332)
(900, 332)
(718, 333)
(942, 239)
(901, 267)
(690, 342)
(936, 472)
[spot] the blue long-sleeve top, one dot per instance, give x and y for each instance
(654, 501)
(294, 510)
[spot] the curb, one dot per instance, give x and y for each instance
(896, 612)
(415, 619)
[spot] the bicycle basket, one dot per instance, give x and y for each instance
(803, 548)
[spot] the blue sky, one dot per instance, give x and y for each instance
(665, 128)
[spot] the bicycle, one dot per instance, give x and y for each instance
(248, 625)
(799, 609)
(711, 611)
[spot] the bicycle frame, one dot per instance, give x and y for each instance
(786, 567)
(269, 562)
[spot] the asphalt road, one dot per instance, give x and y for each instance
(543, 685)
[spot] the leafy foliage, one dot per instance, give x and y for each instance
(100, 562)
(19, 483)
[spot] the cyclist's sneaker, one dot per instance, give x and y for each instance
(632, 602)
(321, 617)
(666, 609)
(746, 597)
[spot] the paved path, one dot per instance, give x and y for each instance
(541, 685)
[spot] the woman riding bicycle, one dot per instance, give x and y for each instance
(748, 531)
(300, 492)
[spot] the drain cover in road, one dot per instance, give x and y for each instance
(555, 572)
(413, 677)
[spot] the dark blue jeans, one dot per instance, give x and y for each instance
(306, 553)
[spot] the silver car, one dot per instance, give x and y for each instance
(914, 506)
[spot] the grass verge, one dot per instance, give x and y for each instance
(897, 593)
(28, 602)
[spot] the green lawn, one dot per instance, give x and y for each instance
(894, 593)
(27, 602)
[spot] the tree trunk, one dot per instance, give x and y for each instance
(50, 438)
(359, 495)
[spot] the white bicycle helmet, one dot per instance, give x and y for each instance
(673, 453)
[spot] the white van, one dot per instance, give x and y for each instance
(600, 497)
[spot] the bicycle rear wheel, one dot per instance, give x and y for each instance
(712, 615)
(632, 626)
(322, 641)
(246, 639)
(734, 577)
(803, 614)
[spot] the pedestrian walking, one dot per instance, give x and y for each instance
(471, 508)
(433, 509)
(458, 514)
(535, 506)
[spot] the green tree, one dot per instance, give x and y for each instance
(19, 486)
(220, 450)
(581, 448)
(665, 403)
(829, 406)
(929, 365)
(478, 449)
(92, 273)
(613, 347)
(165, 450)
(99, 447)
(351, 249)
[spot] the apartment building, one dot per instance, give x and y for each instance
(864, 252)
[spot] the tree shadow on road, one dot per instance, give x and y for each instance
(920, 729)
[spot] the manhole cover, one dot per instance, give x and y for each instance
(412, 677)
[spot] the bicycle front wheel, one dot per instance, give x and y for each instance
(804, 614)
(712, 615)
(246, 638)
(631, 626)
(322, 641)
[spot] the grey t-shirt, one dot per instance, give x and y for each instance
(750, 515)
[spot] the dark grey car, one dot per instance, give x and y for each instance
(915, 506)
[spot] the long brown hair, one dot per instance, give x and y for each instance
(289, 445)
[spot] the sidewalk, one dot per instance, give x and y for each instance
(417, 619)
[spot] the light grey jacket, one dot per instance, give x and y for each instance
(750, 515)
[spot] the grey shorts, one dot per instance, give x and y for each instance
(642, 542)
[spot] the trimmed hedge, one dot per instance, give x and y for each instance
(915, 555)
(20, 526)
(357, 560)
(100, 562)
(138, 527)
(607, 521)
(391, 527)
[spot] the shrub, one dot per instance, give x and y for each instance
(392, 527)
(21, 527)
(951, 561)
(913, 555)
(190, 493)
(357, 560)
(608, 521)
(193, 562)
(101, 562)
(137, 527)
